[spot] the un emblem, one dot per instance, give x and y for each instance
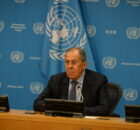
(0, 84)
(36, 87)
(17, 56)
(112, 3)
(130, 94)
(20, 1)
(1, 26)
(64, 30)
(38, 28)
(133, 33)
(109, 62)
(91, 30)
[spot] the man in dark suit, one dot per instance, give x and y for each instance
(90, 86)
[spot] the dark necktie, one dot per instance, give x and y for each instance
(72, 94)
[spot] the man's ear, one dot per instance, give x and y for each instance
(85, 64)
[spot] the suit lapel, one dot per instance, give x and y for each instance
(64, 88)
(85, 88)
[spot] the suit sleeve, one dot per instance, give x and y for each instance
(39, 104)
(101, 107)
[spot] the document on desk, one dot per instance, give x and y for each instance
(96, 117)
(91, 117)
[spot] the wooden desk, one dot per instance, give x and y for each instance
(18, 120)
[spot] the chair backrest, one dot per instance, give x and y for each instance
(115, 93)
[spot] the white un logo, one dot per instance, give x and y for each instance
(64, 30)
(17, 56)
(0, 84)
(109, 62)
(112, 3)
(36, 87)
(1, 26)
(130, 94)
(133, 33)
(38, 28)
(20, 1)
(91, 30)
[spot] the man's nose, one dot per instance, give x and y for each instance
(70, 65)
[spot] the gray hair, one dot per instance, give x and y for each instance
(82, 53)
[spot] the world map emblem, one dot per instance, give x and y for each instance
(38, 28)
(133, 33)
(91, 30)
(1, 26)
(109, 62)
(36, 87)
(17, 56)
(0, 84)
(64, 29)
(130, 94)
(20, 1)
(112, 3)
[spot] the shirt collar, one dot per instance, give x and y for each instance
(81, 78)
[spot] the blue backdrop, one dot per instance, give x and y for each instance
(34, 35)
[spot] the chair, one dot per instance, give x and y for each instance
(115, 93)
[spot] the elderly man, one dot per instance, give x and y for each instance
(66, 85)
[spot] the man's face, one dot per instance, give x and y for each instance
(74, 65)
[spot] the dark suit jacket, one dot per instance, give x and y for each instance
(94, 92)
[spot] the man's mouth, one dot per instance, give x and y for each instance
(70, 72)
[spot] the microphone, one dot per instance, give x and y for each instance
(80, 93)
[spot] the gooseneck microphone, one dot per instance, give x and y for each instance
(80, 92)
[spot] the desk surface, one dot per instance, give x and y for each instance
(17, 119)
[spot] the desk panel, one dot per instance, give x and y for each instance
(18, 120)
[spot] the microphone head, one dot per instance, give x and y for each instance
(79, 87)
(80, 93)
